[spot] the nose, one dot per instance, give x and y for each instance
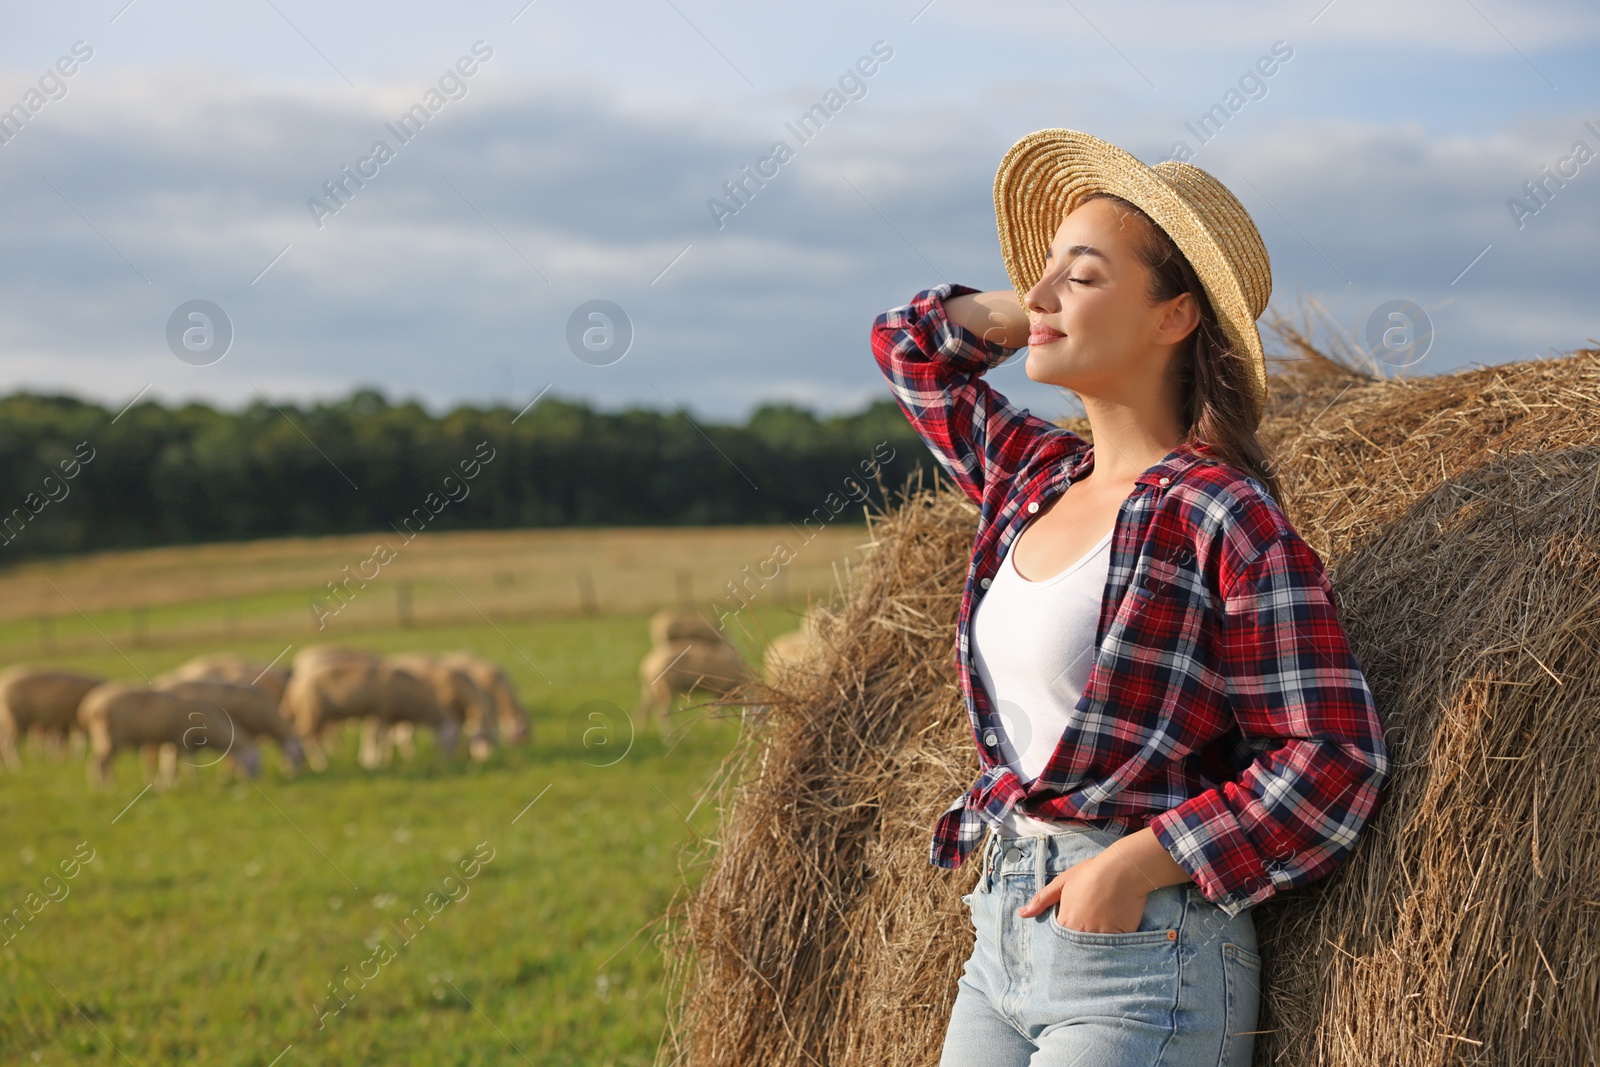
(1042, 298)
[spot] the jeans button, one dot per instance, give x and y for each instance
(1013, 854)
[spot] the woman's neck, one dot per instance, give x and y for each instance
(1129, 439)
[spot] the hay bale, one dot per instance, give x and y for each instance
(1460, 518)
(778, 955)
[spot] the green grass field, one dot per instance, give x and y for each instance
(215, 921)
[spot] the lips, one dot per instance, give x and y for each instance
(1040, 334)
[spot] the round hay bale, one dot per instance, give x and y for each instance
(1460, 519)
(1461, 516)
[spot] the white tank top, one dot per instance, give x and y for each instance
(1034, 644)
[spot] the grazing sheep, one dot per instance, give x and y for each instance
(332, 685)
(118, 716)
(682, 667)
(669, 625)
(228, 667)
(787, 650)
(327, 721)
(252, 709)
(459, 693)
(35, 698)
(410, 700)
(511, 718)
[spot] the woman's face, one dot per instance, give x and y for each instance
(1094, 330)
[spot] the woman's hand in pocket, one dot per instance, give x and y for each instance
(1093, 896)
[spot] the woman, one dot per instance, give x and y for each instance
(1169, 720)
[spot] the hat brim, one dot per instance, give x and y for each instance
(1048, 173)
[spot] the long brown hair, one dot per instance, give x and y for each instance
(1216, 407)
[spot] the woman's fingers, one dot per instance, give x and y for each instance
(1084, 902)
(1046, 897)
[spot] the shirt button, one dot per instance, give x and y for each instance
(984, 582)
(1033, 505)
(1165, 480)
(989, 737)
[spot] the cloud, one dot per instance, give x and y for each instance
(451, 274)
(1174, 26)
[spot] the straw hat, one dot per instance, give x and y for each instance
(1046, 174)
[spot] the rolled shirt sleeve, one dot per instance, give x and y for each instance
(934, 367)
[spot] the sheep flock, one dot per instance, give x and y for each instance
(224, 707)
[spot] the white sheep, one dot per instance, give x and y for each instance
(681, 667)
(118, 716)
(458, 692)
(230, 667)
(35, 698)
(252, 710)
(511, 718)
(790, 649)
(670, 624)
(332, 685)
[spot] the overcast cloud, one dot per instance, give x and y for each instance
(578, 159)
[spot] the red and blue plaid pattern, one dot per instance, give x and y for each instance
(1224, 709)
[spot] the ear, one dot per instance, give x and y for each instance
(1179, 317)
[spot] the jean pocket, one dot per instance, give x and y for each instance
(1241, 979)
(1132, 937)
(1132, 976)
(1163, 914)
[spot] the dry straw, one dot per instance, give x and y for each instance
(1460, 517)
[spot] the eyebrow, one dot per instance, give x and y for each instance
(1081, 250)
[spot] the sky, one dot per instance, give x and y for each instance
(185, 157)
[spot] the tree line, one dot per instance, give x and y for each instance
(77, 476)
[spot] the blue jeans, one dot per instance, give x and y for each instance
(1181, 990)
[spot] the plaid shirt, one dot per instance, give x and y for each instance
(1224, 709)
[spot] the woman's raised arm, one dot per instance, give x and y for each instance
(934, 352)
(994, 316)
